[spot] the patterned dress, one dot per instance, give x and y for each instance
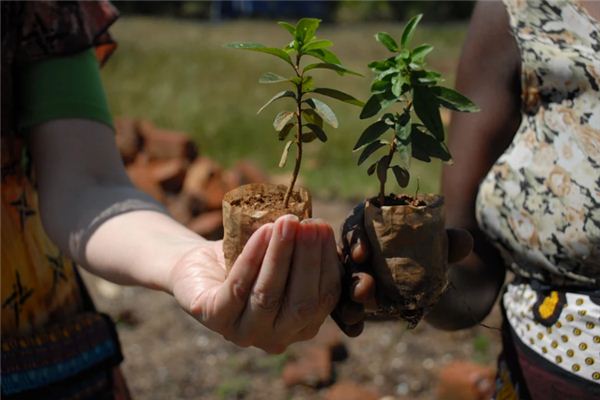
(540, 202)
(42, 299)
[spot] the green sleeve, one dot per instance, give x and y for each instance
(62, 87)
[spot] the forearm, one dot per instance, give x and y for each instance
(91, 210)
(120, 234)
(474, 286)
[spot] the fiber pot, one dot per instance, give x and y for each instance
(409, 254)
(248, 207)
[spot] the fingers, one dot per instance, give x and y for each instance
(231, 297)
(302, 297)
(354, 239)
(460, 244)
(268, 291)
(363, 290)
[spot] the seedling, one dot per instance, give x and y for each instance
(309, 112)
(248, 207)
(404, 79)
(407, 234)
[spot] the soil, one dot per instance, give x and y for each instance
(401, 200)
(168, 355)
(268, 201)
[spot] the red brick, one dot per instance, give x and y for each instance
(463, 380)
(347, 390)
(313, 367)
(143, 178)
(205, 180)
(247, 172)
(208, 225)
(129, 141)
(170, 174)
(160, 144)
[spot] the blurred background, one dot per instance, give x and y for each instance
(188, 131)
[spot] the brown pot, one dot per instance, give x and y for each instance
(248, 207)
(409, 248)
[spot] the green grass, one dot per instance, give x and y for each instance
(178, 75)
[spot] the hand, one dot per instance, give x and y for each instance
(358, 285)
(279, 291)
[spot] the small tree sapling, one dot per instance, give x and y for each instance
(246, 208)
(407, 235)
(310, 112)
(404, 79)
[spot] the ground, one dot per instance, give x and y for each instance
(168, 355)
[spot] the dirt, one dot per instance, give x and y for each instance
(168, 355)
(399, 200)
(267, 201)
(248, 207)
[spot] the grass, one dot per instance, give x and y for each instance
(178, 75)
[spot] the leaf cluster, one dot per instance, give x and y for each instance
(310, 113)
(417, 128)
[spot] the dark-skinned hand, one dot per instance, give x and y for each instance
(358, 284)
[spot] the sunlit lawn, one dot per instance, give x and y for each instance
(178, 75)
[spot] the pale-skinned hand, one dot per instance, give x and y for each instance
(281, 288)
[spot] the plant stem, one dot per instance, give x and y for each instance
(382, 183)
(290, 189)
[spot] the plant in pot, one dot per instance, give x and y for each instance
(406, 233)
(248, 207)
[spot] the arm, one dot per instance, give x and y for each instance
(273, 295)
(488, 73)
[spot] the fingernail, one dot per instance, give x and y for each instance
(288, 227)
(309, 231)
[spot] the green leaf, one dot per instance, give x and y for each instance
(286, 130)
(280, 95)
(402, 175)
(371, 133)
(282, 119)
(306, 28)
(404, 153)
(427, 109)
(427, 77)
(420, 52)
(317, 44)
(403, 128)
(318, 131)
(370, 149)
(409, 29)
(398, 87)
(371, 107)
(324, 111)
(425, 146)
(288, 27)
(379, 65)
(388, 41)
(382, 166)
(311, 116)
(339, 95)
(270, 77)
(453, 100)
(380, 86)
(308, 137)
(308, 83)
(324, 55)
(284, 154)
(335, 67)
(262, 49)
(371, 169)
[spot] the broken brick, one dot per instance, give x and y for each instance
(463, 380)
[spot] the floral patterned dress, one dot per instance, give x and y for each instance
(47, 321)
(540, 202)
